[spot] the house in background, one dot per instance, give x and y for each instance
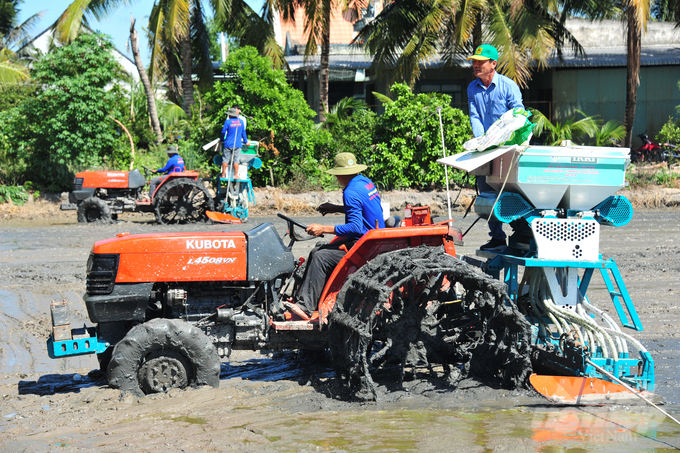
(44, 41)
(595, 85)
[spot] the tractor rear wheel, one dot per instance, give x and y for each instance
(182, 201)
(94, 209)
(420, 308)
(163, 354)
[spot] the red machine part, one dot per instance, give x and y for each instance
(104, 179)
(417, 215)
(174, 257)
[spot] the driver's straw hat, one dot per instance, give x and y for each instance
(346, 164)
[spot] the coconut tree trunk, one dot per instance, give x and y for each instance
(477, 31)
(324, 64)
(634, 38)
(187, 85)
(144, 77)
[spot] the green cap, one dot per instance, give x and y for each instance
(346, 164)
(485, 52)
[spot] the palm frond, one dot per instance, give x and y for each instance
(611, 132)
(12, 73)
(68, 25)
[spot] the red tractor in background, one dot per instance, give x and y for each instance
(99, 196)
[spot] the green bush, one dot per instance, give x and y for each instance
(16, 194)
(66, 125)
(669, 133)
(398, 160)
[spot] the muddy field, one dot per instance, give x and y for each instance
(286, 402)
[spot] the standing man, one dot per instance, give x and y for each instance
(363, 211)
(243, 119)
(234, 136)
(175, 163)
(490, 95)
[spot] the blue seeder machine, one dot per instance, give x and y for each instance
(556, 199)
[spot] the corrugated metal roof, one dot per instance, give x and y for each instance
(597, 57)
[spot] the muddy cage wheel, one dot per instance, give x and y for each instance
(163, 354)
(182, 201)
(93, 209)
(421, 309)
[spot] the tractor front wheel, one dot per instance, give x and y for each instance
(163, 354)
(182, 201)
(94, 209)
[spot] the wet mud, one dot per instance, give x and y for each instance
(286, 401)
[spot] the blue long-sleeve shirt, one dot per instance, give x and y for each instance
(362, 207)
(234, 133)
(175, 163)
(487, 104)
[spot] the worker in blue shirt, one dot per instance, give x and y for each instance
(490, 95)
(175, 163)
(234, 136)
(363, 211)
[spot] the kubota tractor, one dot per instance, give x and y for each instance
(102, 195)
(168, 307)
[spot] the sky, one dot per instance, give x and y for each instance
(116, 25)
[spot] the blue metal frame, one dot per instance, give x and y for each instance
(238, 211)
(616, 211)
(81, 346)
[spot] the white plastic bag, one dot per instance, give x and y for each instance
(500, 131)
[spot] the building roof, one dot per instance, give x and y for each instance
(603, 42)
(43, 41)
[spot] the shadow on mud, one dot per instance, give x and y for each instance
(51, 384)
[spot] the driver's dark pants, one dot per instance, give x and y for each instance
(320, 264)
(154, 183)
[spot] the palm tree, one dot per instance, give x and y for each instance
(179, 37)
(571, 129)
(317, 27)
(526, 32)
(636, 13)
(340, 111)
(13, 35)
(610, 133)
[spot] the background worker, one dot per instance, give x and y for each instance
(175, 164)
(234, 136)
(490, 95)
(243, 119)
(362, 208)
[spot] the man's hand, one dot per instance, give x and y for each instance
(316, 229)
(326, 208)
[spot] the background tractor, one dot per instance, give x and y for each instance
(99, 196)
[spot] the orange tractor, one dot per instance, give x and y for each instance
(168, 307)
(99, 196)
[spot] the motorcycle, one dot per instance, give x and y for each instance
(648, 152)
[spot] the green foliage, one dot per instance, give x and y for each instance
(669, 133)
(279, 118)
(398, 160)
(572, 129)
(666, 178)
(13, 94)
(66, 126)
(610, 134)
(16, 194)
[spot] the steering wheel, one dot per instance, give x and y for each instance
(147, 171)
(294, 236)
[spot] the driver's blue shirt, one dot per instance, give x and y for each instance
(175, 163)
(362, 208)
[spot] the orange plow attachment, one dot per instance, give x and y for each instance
(222, 217)
(582, 390)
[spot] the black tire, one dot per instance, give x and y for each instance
(163, 354)
(182, 201)
(94, 209)
(401, 311)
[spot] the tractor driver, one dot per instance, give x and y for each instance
(363, 211)
(175, 164)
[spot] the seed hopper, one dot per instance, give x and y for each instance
(557, 199)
